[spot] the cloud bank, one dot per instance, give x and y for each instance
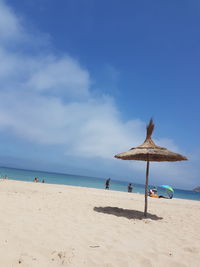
(49, 100)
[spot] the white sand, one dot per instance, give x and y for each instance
(54, 225)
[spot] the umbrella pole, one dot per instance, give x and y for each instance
(146, 189)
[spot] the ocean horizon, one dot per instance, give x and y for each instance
(87, 181)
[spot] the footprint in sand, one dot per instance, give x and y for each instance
(191, 249)
(24, 257)
(62, 257)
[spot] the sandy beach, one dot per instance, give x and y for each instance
(55, 225)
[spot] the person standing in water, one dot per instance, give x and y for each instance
(107, 184)
(130, 188)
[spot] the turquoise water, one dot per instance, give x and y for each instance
(93, 182)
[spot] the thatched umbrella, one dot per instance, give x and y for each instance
(149, 151)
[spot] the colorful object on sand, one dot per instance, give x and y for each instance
(154, 195)
(169, 190)
(167, 187)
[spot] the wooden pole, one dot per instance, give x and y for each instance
(146, 189)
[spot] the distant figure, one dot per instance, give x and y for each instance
(170, 196)
(43, 181)
(130, 188)
(36, 180)
(153, 191)
(107, 184)
(162, 196)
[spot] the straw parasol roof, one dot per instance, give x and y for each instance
(149, 151)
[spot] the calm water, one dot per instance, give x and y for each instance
(76, 180)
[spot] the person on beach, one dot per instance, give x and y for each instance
(43, 181)
(153, 191)
(36, 180)
(170, 195)
(107, 184)
(130, 188)
(4, 177)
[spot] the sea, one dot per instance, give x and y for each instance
(85, 181)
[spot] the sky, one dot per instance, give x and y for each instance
(80, 79)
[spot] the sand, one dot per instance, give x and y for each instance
(55, 225)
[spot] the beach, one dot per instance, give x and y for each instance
(58, 225)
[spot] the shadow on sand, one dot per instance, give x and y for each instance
(129, 214)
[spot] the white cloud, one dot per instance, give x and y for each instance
(63, 75)
(48, 100)
(89, 128)
(10, 27)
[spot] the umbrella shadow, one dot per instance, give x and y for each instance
(129, 214)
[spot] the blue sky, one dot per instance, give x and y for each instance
(80, 80)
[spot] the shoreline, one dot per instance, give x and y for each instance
(85, 176)
(78, 186)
